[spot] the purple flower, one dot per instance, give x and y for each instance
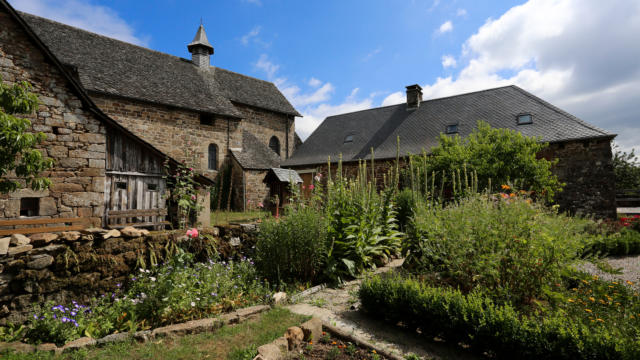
(118, 285)
(73, 313)
(54, 316)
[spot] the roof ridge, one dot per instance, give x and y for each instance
(560, 111)
(22, 13)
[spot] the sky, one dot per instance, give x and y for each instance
(334, 56)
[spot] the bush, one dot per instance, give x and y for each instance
(512, 247)
(405, 203)
(499, 330)
(624, 242)
(497, 156)
(292, 248)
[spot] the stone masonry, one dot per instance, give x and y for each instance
(264, 124)
(75, 139)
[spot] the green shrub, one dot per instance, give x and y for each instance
(475, 319)
(405, 203)
(512, 247)
(292, 248)
(497, 156)
(624, 242)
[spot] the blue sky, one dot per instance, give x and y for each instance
(331, 57)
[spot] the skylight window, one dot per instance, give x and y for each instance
(348, 139)
(525, 119)
(452, 129)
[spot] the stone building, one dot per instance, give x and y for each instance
(90, 150)
(583, 150)
(188, 109)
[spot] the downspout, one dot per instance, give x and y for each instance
(228, 137)
(244, 191)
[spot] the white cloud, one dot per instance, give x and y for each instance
(297, 99)
(251, 34)
(372, 54)
(445, 27)
(85, 15)
(314, 115)
(267, 66)
(394, 98)
(448, 61)
(313, 82)
(461, 12)
(577, 54)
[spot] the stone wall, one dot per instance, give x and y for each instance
(264, 124)
(173, 131)
(586, 168)
(256, 190)
(76, 266)
(75, 139)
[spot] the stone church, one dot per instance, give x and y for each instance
(187, 110)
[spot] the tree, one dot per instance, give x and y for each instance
(18, 157)
(626, 169)
(498, 156)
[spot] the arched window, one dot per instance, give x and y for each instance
(274, 144)
(213, 157)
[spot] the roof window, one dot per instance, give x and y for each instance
(525, 119)
(452, 129)
(348, 139)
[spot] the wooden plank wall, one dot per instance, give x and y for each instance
(133, 179)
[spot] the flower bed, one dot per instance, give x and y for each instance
(178, 291)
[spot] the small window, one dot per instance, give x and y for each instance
(121, 185)
(29, 206)
(525, 119)
(213, 157)
(206, 119)
(152, 187)
(274, 144)
(452, 129)
(348, 139)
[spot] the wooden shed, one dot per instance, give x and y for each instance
(280, 181)
(135, 190)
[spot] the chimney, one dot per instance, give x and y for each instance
(414, 96)
(200, 49)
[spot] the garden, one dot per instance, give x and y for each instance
(490, 263)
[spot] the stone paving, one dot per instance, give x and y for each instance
(339, 307)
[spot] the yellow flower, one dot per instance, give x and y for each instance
(611, 286)
(588, 310)
(505, 187)
(570, 300)
(595, 277)
(585, 281)
(614, 282)
(631, 316)
(598, 319)
(592, 299)
(629, 282)
(512, 195)
(373, 351)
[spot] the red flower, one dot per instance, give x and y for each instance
(311, 187)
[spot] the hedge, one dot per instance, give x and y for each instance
(500, 330)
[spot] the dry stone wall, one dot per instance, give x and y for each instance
(78, 266)
(75, 138)
(264, 124)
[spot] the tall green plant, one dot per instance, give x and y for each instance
(183, 190)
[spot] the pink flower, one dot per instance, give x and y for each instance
(303, 187)
(311, 187)
(249, 201)
(193, 197)
(192, 233)
(260, 204)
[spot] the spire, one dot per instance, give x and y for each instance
(200, 48)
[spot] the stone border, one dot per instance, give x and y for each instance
(311, 330)
(189, 327)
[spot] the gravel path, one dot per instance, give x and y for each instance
(628, 265)
(338, 307)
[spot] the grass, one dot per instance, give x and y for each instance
(235, 342)
(225, 217)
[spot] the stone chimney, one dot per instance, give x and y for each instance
(200, 49)
(414, 96)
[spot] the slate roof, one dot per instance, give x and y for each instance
(419, 129)
(286, 175)
(255, 155)
(110, 66)
(80, 91)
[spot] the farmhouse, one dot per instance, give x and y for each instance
(113, 112)
(583, 150)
